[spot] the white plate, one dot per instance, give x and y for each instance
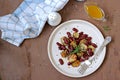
(60, 31)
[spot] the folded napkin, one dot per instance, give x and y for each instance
(28, 20)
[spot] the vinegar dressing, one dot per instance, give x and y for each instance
(94, 11)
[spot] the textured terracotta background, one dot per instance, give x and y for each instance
(30, 60)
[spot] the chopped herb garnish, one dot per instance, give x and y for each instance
(106, 28)
(77, 49)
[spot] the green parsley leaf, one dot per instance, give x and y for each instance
(77, 49)
(106, 28)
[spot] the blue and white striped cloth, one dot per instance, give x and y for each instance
(28, 20)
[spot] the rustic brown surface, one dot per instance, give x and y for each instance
(30, 60)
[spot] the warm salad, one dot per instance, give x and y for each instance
(76, 47)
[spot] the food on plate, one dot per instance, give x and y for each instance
(61, 61)
(72, 58)
(76, 63)
(76, 47)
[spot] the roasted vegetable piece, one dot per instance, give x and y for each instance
(64, 53)
(73, 43)
(83, 41)
(76, 35)
(83, 47)
(72, 58)
(76, 63)
(80, 54)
